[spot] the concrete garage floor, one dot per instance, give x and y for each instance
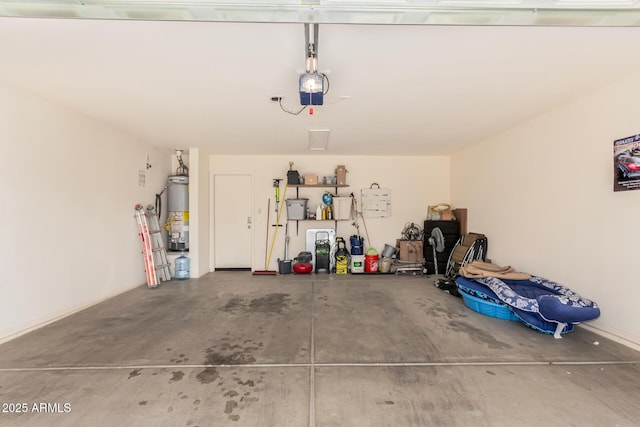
(234, 349)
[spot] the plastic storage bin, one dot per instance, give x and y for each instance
(342, 208)
(297, 208)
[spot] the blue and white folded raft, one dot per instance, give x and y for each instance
(539, 303)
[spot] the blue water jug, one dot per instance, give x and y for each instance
(183, 269)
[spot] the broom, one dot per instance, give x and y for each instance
(266, 272)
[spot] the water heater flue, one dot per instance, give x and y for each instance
(182, 169)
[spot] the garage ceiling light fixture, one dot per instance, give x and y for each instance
(311, 85)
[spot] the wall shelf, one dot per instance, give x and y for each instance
(318, 185)
(299, 186)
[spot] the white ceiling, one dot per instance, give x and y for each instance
(393, 89)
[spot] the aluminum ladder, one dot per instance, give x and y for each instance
(156, 263)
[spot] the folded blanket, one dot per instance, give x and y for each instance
(478, 268)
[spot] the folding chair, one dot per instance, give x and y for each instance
(469, 247)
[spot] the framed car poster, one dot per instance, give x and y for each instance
(626, 163)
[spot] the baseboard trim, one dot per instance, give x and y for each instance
(612, 337)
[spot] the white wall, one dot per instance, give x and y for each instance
(199, 212)
(415, 182)
(543, 194)
(69, 187)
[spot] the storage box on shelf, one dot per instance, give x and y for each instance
(311, 179)
(343, 205)
(297, 208)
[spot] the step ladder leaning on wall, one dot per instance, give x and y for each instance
(156, 263)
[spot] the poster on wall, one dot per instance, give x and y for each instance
(626, 163)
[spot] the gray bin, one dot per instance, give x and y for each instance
(297, 208)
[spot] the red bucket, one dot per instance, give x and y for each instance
(371, 263)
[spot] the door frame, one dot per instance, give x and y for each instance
(212, 199)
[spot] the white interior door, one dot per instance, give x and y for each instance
(232, 221)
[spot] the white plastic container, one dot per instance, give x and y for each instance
(357, 263)
(342, 208)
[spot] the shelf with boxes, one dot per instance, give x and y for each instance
(334, 209)
(298, 186)
(294, 178)
(298, 209)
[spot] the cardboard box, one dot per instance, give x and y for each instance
(461, 216)
(341, 175)
(446, 216)
(410, 250)
(311, 179)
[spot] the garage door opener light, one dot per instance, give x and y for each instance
(311, 83)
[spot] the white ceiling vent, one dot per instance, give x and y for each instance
(318, 139)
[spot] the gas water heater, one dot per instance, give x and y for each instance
(178, 212)
(178, 207)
